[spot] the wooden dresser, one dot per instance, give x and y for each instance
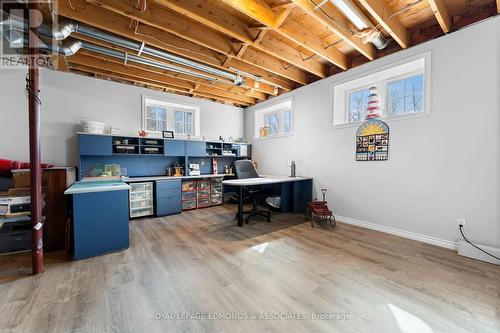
(57, 209)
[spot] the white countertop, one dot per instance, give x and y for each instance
(91, 186)
(155, 178)
(267, 179)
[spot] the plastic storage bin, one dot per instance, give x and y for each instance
(92, 126)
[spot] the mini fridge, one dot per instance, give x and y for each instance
(141, 199)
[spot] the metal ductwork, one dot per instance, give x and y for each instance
(367, 30)
(67, 28)
(70, 48)
(126, 57)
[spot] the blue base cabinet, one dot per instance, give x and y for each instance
(168, 197)
(100, 223)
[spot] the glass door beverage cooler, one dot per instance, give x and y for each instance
(141, 199)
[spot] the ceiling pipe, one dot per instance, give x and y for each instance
(69, 48)
(140, 60)
(67, 28)
(362, 23)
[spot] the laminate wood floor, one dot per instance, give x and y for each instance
(181, 270)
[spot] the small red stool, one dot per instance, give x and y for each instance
(317, 211)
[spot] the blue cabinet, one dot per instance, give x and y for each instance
(96, 145)
(175, 148)
(196, 148)
(100, 223)
(168, 197)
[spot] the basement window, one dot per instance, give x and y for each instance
(403, 91)
(275, 120)
(184, 122)
(161, 115)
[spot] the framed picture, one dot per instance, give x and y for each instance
(372, 141)
(168, 134)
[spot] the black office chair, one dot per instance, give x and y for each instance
(246, 169)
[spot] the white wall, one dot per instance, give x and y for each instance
(441, 167)
(67, 98)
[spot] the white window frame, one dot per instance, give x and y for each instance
(276, 108)
(379, 79)
(171, 108)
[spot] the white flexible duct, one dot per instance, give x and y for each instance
(352, 12)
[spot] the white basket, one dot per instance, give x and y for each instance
(91, 126)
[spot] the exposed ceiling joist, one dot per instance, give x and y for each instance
(159, 17)
(216, 84)
(276, 45)
(87, 13)
(60, 63)
(151, 73)
(281, 18)
(238, 64)
(283, 5)
(265, 15)
(288, 53)
(211, 16)
(134, 80)
(441, 13)
(383, 14)
(337, 23)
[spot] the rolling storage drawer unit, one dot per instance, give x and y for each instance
(168, 197)
(141, 199)
(203, 193)
(189, 195)
(217, 197)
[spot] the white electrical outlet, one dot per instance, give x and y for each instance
(461, 222)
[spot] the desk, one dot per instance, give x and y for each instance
(295, 191)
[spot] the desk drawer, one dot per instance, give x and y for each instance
(169, 192)
(168, 184)
(168, 206)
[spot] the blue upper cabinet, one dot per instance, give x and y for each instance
(196, 148)
(175, 148)
(96, 145)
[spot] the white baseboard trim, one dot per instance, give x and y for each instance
(398, 232)
(467, 250)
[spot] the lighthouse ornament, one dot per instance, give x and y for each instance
(372, 137)
(373, 110)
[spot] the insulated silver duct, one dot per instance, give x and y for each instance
(70, 48)
(66, 28)
(362, 23)
(136, 46)
(140, 60)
